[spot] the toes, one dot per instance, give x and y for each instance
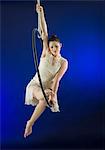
(25, 135)
(27, 132)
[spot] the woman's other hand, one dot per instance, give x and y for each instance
(50, 95)
(52, 98)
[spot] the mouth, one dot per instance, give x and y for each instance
(54, 54)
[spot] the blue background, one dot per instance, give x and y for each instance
(80, 26)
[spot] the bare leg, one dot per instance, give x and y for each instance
(36, 114)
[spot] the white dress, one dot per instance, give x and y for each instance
(47, 73)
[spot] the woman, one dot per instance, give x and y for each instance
(52, 67)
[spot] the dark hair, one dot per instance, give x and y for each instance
(53, 38)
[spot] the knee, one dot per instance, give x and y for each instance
(43, 102)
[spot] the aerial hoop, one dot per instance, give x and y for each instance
(37, 33)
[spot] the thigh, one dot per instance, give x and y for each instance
(36, 90)
(39, 94)
(33, 89)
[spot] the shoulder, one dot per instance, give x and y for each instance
(64, 61)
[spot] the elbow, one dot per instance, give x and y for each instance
(44, 31)
(44, 35)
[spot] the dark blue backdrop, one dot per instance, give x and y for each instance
(80, 26)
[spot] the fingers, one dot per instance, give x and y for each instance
(50, 94)
(39, 8)
(53, 94)
(52, 102)
(49, 91)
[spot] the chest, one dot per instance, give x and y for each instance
(50, 64)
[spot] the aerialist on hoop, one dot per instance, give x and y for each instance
(52, 67)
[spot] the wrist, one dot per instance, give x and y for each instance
(53, 91)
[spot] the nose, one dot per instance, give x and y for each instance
(54, 49)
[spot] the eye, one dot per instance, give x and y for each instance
(51, 46)
(56, 46)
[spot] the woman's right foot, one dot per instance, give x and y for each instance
(28, 129)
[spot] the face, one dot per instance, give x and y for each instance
(55, 47)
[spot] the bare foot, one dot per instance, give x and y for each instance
(28, 129)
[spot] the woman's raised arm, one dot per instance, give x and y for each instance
(43, 27)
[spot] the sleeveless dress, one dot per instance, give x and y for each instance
(47, 73)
